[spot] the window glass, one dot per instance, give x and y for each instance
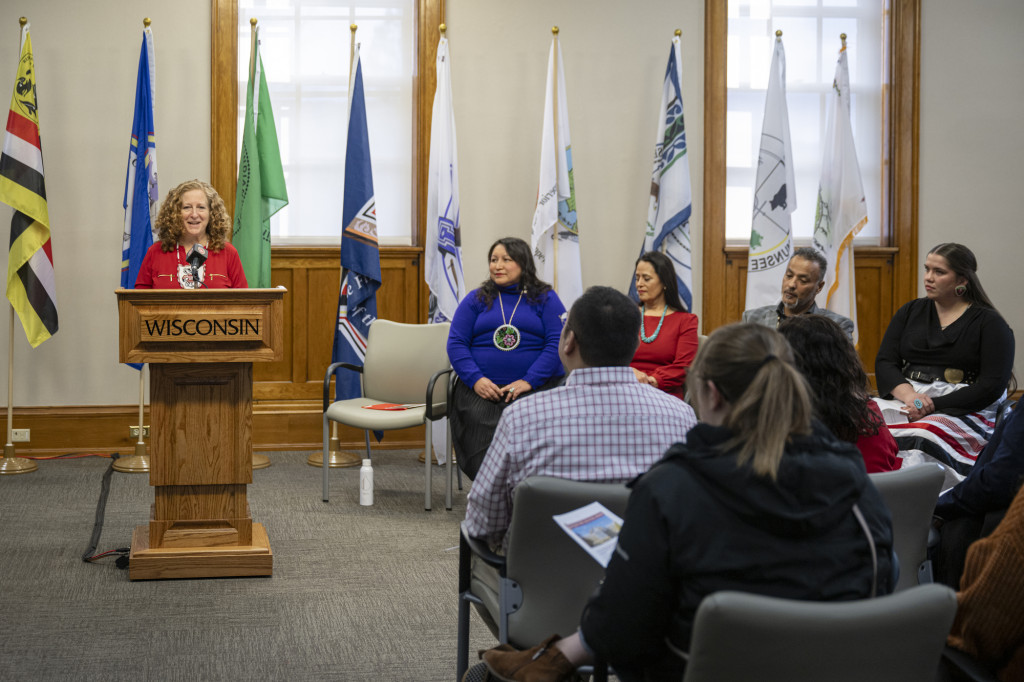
(810, 33)
(305, 49)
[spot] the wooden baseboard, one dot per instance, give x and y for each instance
(280, 425)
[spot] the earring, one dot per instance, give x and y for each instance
(960, 289)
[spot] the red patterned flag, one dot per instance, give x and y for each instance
(30, 281)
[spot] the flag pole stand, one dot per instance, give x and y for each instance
(139, 462)
(10, 464)
(336, 458)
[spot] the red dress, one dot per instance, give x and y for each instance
(879, 451)
(671, 353)
(160, 270)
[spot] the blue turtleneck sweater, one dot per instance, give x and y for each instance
(471, 346)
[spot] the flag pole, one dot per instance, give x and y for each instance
(554, 100)
(11, 464)
(336, 458)
(259, 460)
(139, 462)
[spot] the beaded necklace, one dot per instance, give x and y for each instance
(650, 339)
(507, 336)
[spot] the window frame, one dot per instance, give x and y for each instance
(901, 102)
(224, 106)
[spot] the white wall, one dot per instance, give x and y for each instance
(615, 55)
(972, 144)
(86, 58)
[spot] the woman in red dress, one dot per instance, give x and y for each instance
(192, 218)
(668, 335)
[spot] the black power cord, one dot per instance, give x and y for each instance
(101, 507)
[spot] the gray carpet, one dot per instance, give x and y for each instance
(358, 593)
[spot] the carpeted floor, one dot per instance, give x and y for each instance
(358, 593)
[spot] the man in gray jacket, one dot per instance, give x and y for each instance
(804, 278)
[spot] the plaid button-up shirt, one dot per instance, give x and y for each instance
(601, 426)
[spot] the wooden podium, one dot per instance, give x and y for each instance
(200, 346)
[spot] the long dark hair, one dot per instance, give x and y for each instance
(666, 272)
(962, 261)
(752, 367)
(529, 283)
(829, 362)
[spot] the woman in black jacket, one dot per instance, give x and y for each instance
(759, 499)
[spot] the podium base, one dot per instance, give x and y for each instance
(199, 562)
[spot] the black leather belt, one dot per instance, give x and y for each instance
(926, 374)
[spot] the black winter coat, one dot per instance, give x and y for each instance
(697, 523)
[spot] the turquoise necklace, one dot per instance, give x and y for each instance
(650, 339)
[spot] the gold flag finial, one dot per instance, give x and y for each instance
(353, 28)
(442, 28)
(146, 22)
(679, 32)
(842, 37)
(253, 21)
(778, 34)
(554, 30)
(22, 22)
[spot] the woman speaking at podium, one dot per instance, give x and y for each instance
(193, 252)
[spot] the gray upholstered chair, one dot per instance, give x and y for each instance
(910, 494)
(896, 638)
(405, 364)
(545, 579)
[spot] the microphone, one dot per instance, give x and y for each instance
(197, 255)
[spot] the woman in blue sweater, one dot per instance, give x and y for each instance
(503, 343)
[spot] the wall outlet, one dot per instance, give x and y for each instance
(133, 431)
(21, 435)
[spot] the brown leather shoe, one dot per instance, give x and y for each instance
(542, 663)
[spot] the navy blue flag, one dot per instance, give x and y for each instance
(140, 187)
(360, 254)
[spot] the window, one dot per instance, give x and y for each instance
(305, 49)
(810, 34)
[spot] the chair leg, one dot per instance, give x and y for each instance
(326, 465)
(366, 434)
(426, 458)
(462, 643)
(448, 464)
(451, 454)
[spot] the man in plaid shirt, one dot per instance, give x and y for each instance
(601, 426)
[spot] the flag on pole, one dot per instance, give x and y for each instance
(444, 237)
(30, 278)
(360, 255)
(261, 191)
(555, 234)
(771, 241)
(668, 214)
(140, 186)
(841, 211)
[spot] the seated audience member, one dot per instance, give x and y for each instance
(804, 278)
(972, 508)
(602, 425)
(760, 498)
(945, 361)
(989, 624)
(826, 357)
(668, 334)
(503, 344)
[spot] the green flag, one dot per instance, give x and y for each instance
(260, 191)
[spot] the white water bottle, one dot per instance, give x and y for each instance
(366, 483)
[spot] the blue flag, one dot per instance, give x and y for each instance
(140, 188)
(668, 212)
(360, 254)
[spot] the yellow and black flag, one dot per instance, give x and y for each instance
(30, 280)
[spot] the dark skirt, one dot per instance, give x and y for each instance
(473, 421)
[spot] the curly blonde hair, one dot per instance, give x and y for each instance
(169, 223)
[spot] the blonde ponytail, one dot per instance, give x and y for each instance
(752, 367)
